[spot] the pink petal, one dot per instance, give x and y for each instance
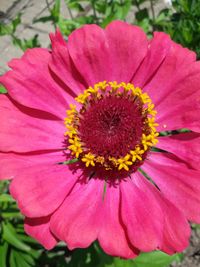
(177, 183)
(128, 47)
(112, 236)
(24, 129)
(186, 146)
(166, 63)
(38, 228)
(78, 220)
(40, 190)
(62, 65)
(158, 49)
(182, 103)
(89, 49)
(30, 83)
(12, 164)
(142, 216)
(176, 230)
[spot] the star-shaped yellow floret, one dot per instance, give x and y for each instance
(82, 98)
(89, 159)
(136, 154)
(75, 147)
(149, 140)
(152, 124)
(124, 163)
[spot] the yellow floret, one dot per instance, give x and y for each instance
(152, 124)
(136, 154)
(124, 163)
(82, 98)
(89, 159)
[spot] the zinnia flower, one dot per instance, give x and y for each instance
(82, 135)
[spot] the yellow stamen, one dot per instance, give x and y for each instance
(81, 98)
(100, 160)
(124, 163)
(89, 159)
(136, 154)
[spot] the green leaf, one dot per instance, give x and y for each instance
(24, 259)
(76, 6)
(9, 215)
(23, 44)
(69, 161)
(3, 253)
(17, 259)
(2, 89)
(6, 198)
(10, 235)
(151, 259)
(155, 259)
(9, 29)
(116, 11)
(16, 22)
(55, 11)
(119, 263)
(44, 19)
(5, 29)
(12, 260)
(142, 14)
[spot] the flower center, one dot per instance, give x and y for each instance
(114, 128)
(111, 126)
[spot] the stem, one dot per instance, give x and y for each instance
(94, 11)
(137, 5)
(153, 12)
(49, 9)
(70, 12)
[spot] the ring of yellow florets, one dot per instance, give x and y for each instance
(98, 91)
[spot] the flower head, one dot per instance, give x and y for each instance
(86, 137)
(117, 115)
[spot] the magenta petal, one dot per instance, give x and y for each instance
(39, 229)
(24, 130)
(158, 48)
(176, 229)
(127, 46)
(30, 83)
(112, 236)
(177, 183)
(61, 64)
(142, 216)
(165, 64)
(39, 191)
(186, 146)
(182, 102)
(12, 164)
(78, 220)
(89, 49)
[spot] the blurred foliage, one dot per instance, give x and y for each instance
(10, 29)
(181, 20)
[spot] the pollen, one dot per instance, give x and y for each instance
(115, 127)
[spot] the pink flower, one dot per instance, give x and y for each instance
(120, 90)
